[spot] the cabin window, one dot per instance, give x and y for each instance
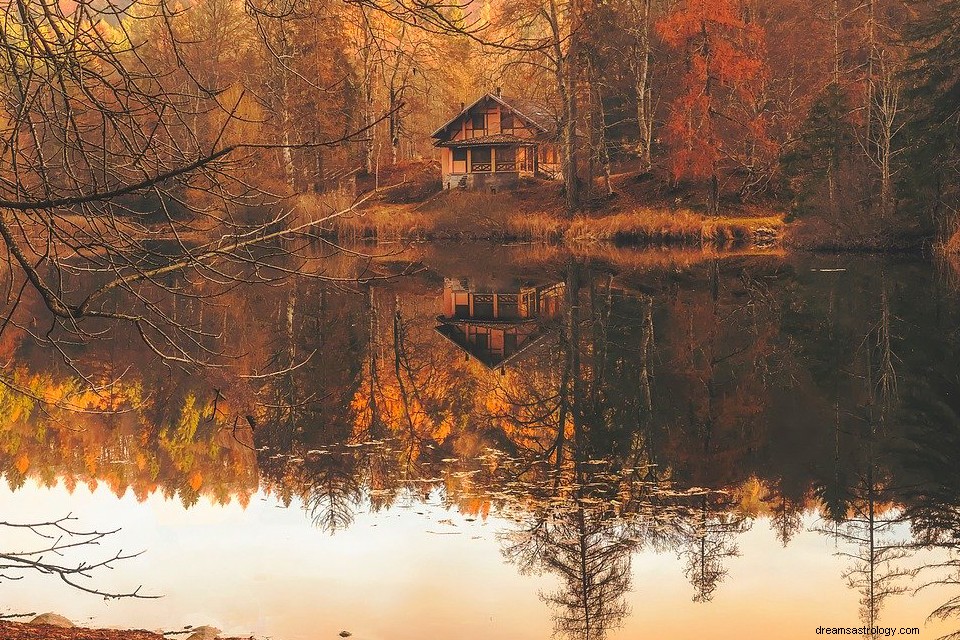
(506, 122)
(509, 343)
(480, 159)
(458, 162)
(479, 122)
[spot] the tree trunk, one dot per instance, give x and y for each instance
(641, 68)
(570, 129)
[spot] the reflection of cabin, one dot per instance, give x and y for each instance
(496, 140)
(497, 326)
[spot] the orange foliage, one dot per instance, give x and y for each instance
(724, 56)
(61, 428)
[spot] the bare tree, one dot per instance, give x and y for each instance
(49, 552)
(889, 123)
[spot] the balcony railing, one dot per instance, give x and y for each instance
(481, 166)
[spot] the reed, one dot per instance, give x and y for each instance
(394, 222)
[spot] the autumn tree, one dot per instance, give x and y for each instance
(715, 122)
(547, 36)
(642, 20)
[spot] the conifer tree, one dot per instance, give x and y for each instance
(935, 92)
(826, 139)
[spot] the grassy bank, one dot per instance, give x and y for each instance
(643, 227)
(536, 212)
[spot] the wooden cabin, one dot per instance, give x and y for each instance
(496, 140)
(495, 327)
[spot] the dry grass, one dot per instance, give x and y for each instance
(660, 227)
(394, 222)
(952, 246)
(536, 227)
(642, 226)
(482, 216)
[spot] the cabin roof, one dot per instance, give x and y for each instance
(535, 113)
(537, 339)
(499, 138)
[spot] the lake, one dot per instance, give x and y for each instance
(474, 441)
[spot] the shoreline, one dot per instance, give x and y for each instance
(50, 626)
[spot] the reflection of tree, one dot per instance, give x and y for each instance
(786, 515)
(867, 531)
(876, 569)
(605, 494)
(416, 395)
(934, 513)
(708, 537)
(591, 556)
(576, 534)
(334, 493)
(932, 498)
(304, 414)
(951, 608)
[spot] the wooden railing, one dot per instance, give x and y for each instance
(481, 166)
(506, 166)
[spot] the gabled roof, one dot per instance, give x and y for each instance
(452, 331)
(532, 112)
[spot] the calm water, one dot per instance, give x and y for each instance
(512, 443)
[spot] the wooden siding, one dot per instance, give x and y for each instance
(493, 116)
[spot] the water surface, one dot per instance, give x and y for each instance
(513, 442)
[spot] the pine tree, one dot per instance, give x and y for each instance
(826, 140)
(935, 92)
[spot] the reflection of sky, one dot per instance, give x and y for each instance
(402, 575)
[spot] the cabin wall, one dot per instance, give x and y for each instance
(446, 161)
(492, 113)
(493, 120)
(549, 161)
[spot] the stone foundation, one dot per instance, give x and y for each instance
(482, 181)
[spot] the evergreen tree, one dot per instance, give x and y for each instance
(826, 141)
(935, 91)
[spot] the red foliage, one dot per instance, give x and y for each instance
(724, 73)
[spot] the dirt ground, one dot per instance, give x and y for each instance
(23, 631)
